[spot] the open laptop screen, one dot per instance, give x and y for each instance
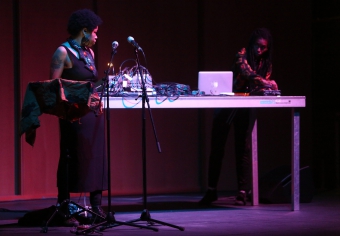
(215, 82)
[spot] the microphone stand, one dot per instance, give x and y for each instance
(145, 216)
(110, 220)
(67, 201)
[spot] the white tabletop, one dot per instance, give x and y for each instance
(208, 102)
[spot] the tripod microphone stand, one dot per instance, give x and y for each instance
(145, 216)
(67, 201)
(110, 219)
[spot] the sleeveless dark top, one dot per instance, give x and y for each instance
(78, 72)
(83, 142)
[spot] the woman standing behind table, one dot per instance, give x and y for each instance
(82, 143)
(252, 74)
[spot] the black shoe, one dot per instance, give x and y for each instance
(68, 219)
(209, 197)
(249, 196)
(71, 222)
(241, 198)
(99, 211)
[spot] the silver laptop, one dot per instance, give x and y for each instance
(216, 82)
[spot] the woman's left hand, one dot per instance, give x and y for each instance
(274, 85)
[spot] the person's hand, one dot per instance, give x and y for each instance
(274, 85)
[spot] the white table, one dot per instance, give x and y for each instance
(236, 102)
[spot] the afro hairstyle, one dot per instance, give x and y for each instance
(83, 18)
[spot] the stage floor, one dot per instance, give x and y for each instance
(319, 217)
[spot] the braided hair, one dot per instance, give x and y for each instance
(267, 56)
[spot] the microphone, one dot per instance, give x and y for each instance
(115, 45)
(134, 43)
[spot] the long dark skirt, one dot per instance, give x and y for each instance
(82, 155)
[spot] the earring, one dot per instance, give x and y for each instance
(84, 39)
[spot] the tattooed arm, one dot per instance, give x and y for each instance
(58, 62)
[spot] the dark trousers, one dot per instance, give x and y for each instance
(242, 119)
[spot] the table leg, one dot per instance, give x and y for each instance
(254, 165)
(295, 180)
